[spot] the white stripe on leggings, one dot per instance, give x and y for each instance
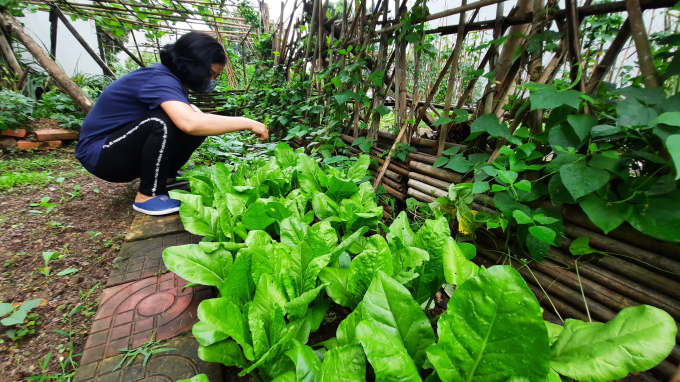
(160, 155)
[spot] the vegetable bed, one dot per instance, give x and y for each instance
(284, 239)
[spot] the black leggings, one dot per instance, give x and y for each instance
(151, 148)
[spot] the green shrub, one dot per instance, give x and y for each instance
(15, 109)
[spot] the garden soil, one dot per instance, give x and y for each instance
(89, 233)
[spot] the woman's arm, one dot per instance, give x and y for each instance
(203, 124)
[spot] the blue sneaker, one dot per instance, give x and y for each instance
(159, 205)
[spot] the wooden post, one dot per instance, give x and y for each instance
(444, 129)
(381, 173)
(574, 46)
(400, 70)
(535, 118)
(82, 42)
(8, 53)
(54, 22)
(644, 50)
(132, 32)
(378, 98)
(126, 50)
(309, 43)
(100, 42)
(63, 80)
(243, 59)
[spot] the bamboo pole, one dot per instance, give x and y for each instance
(427, 189)
(419, 196)
(447, 176)
(54, 23)
(388, 173)
(452, 11)
(126, 50)
(442, 185)
(378, 98)
(63, 80)
(526, 18)
(399, 136)
(649, 75)
(419, 141)
(308, 45)
(609, 58)
(460, 38)
(386, 180)
(608, 244)
(574, 46)
(397, 195)
(556, 288)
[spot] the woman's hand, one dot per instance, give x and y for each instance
(203, 124)
(260, 130)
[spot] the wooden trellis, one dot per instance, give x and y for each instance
(221, 19)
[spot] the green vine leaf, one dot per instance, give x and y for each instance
(544, 234)
(581, 180)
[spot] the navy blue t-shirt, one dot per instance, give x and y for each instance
(125, 100)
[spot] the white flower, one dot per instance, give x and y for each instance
(61, 359)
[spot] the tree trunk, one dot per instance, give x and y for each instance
(54, 70)
(8, 53)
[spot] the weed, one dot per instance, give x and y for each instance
(44, 202)
(85, 296)
(66, 363)
(48, 256)
(147, 350)
(76, 192)
(59, 225)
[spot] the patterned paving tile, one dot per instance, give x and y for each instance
(181, 363)
(130, 313)
(144, 258)
(146, 226)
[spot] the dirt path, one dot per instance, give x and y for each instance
(85, 230)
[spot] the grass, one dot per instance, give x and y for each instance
(23, 172)
(32, 163)
(9, 180)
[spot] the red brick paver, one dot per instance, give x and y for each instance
(146, 226)
(144, 258)
(181, 363)
(20, 133)
(130, 313)
(55, 135)
(47, 145)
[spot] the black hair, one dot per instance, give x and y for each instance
(190, 58)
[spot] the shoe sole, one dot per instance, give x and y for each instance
(155, 213)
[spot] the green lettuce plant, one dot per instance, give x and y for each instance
(285, 238)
